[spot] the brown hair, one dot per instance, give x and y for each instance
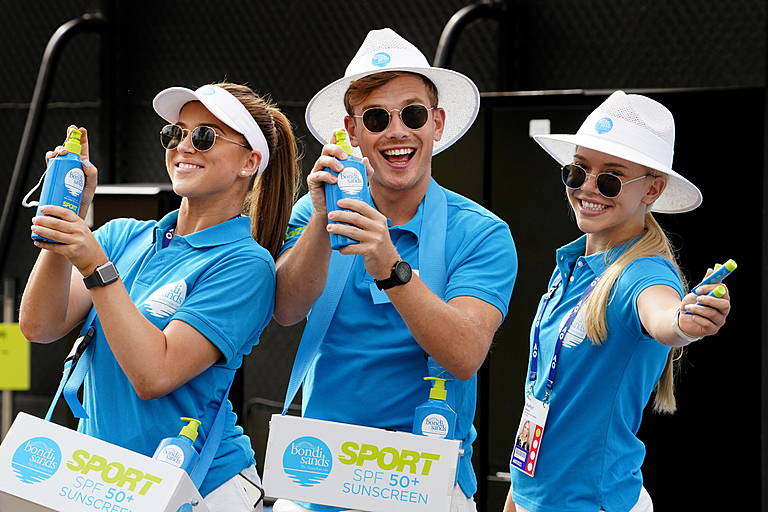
(362, 87)
(273, 191)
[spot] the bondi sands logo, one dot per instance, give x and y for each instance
(307, 461)
(36, 460)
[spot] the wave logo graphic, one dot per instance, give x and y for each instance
(604, 125)
(381, 59)
(576, 332)
(167, 299)
(37, 459)
(74, 181)
(307, 461)
(350, 181)
(187, 507)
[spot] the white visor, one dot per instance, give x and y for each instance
(219, 102)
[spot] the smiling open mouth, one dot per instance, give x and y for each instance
(399, 155)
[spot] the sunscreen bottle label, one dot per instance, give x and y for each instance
(74, 181)
(350, 181)
(434, 425)
(172, 455)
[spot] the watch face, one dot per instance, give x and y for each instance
(107, 273)
(403, 271)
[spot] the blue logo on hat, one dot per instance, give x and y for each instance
(603, 125)
(381, 59)
(37, 459)
(208, 90)
(307, 461)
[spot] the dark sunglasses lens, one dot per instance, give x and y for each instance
(203, 138)
(376, 119)
(573, 176)
(170, 136)
(608, 184)
(414, 116)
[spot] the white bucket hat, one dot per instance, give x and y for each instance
(222, 104)
(635, 128)
(384, 50)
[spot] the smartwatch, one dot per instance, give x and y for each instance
(102, 276)
(401, 274)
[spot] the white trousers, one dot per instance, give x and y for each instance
(644, 503)
(236, 494)
(459, 503)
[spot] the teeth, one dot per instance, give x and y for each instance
(397, 152)
(189, 166)
(593, 206)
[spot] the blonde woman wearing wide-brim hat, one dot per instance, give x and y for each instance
(622, 342)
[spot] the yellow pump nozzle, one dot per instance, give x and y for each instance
(190, 429)
(73, 141)
(343, 141)
(438, 391)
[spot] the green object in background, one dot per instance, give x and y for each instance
(14, 358)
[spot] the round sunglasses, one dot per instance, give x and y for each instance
(609, 185)
(376, 119)
(203, 137)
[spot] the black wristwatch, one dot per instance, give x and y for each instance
(102, 276)
(401, 274)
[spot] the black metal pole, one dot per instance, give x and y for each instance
(51, 56)
(463, 17)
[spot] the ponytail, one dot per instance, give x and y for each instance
(654, 242)
(272, 192)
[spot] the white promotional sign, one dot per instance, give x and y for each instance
(45, 467)
(358, 467)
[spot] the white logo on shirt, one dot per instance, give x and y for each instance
(576, 332)
(167, 299)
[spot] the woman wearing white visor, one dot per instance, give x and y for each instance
(194, 290)
(615, 317)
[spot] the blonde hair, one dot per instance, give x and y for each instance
(273, 192)
(653, 242)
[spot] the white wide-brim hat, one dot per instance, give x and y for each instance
(222, 104)
(634, 128)
(384, 50)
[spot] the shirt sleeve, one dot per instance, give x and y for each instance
(231, 303)
(640, 275)
(300, 215)
(485, 266)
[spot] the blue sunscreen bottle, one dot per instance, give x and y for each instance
(435, 418)
(720, 273)
(353, 184)
(179, 451)
(64, 180)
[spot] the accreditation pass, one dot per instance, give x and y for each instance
(528, 439)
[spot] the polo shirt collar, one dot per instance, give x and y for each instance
(223, 233)
(569, 254)
(414, 224)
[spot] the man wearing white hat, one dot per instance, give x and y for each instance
(377, 328)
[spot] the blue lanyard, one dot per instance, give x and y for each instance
(536, 329)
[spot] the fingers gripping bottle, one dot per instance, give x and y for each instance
(64, 180)
(179, 451)
(435, 418)
(353, 184)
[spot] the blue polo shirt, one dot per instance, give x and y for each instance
(370, 370)
(590, 455)
(219, 281)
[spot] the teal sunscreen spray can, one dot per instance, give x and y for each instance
(353, 184)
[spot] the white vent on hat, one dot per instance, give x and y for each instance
(656, 118)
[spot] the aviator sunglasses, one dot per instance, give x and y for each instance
(609, 185)
(376, 119)
(203, 137)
